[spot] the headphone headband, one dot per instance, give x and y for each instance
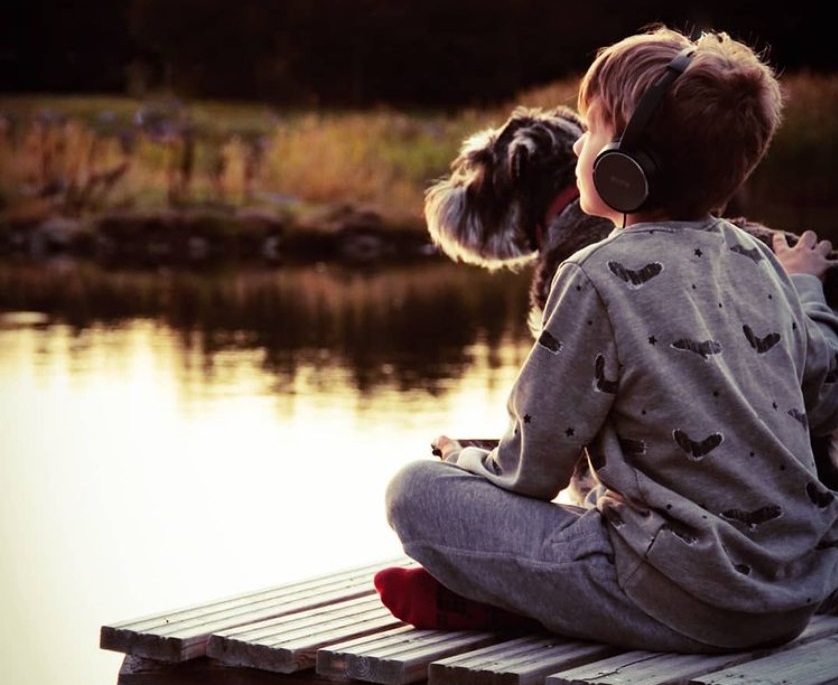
(652, 98)
(623, 171)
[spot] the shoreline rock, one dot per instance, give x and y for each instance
(196, 236)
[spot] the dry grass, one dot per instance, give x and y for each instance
(78, 156)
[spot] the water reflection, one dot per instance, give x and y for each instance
(169, 438)
(400, 327)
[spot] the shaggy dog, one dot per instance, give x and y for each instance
(511, 200)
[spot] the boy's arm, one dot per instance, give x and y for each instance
(820, 377)
(558, 402)
(810, 290)
(807, 264)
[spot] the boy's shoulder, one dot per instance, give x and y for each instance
(643, 243)
(641, 238)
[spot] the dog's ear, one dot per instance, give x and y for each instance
(519, 163)
(520, 117)
(545, 146)
(515, 164)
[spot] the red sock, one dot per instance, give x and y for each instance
(414, 596)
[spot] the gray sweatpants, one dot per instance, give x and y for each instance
(548, 561)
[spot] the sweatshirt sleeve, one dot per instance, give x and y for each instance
(820, 381)
(560, 398)
(810, 290)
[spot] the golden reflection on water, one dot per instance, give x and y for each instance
(140, 474)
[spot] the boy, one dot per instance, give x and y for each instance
(685, 363)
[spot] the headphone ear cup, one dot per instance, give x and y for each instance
(623, 179)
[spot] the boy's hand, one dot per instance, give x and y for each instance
(808, 256)
(443, 446)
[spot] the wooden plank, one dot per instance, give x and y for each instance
(331, 661)
(202, 671)
(812, 663)
(636, 667)
(398, 656)
(407, 661)
(183, 634)
(289, 643)
(522, 661)
(639, 667)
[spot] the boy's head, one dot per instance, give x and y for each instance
(711, 127)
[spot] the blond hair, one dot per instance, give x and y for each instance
(714, 124)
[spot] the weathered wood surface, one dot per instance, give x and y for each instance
(814, 663)
(654, 668)
(203, 671)
(183, 634)
(333, 628)
(523, 661)
(398, 656)
(289, 643)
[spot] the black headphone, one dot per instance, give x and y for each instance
(623, 171)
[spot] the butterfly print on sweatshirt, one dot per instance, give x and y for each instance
(635, 279)
(603, 384)
(548, 341)
(632, 447)
(753, 518)
(751, 253)
(697, 450)
(761, 345)
(703, 348)
(613, 516)
(798, 416)
(681, 531)
(820, 498)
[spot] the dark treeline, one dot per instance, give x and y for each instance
(360, 53)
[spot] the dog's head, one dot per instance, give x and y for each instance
(498, 196)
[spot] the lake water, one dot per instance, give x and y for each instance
(170, 437)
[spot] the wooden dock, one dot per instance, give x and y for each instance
(333, 629)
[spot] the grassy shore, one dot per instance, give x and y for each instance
(84, 156)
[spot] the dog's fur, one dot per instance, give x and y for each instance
(510, 200)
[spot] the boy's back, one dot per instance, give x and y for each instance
(697, 338)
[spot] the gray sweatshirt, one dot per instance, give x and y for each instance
(693, 370)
